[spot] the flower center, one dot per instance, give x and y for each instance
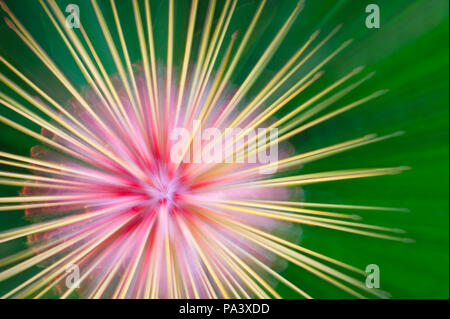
(165, 192)
(163, 188)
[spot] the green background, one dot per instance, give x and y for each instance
(410, 55)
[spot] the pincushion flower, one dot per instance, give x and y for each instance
(106, 195)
